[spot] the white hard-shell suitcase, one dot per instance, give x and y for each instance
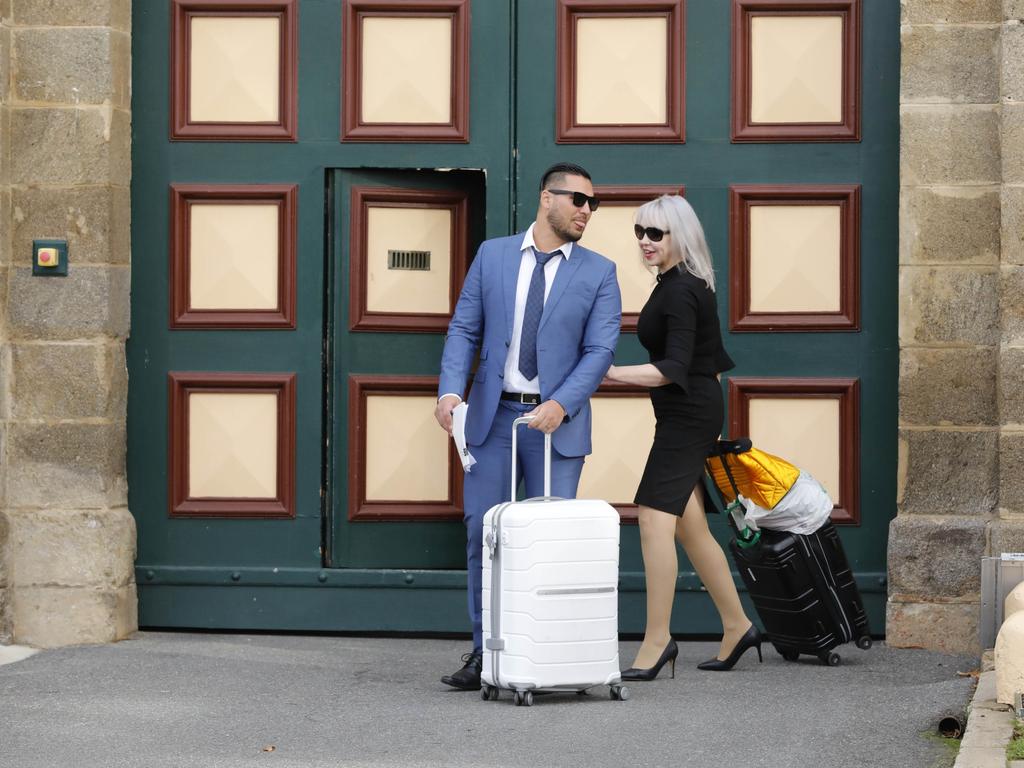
(550, 594)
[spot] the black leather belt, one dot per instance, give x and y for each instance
(526, 398)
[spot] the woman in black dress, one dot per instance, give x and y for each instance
(679, 328)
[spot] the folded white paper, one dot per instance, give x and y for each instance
(459, 435)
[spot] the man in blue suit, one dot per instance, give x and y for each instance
(544, 314)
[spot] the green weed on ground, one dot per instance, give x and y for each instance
(950, 749)
(1015, 749)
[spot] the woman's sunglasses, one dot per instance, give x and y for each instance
(653, 233)
(578, 198)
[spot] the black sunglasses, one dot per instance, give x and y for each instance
(578, 198)
(653, 233)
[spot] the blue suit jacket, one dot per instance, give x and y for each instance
(575, 342)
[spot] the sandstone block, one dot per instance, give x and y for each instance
(1006, 535)
(51, 617)
(943, 627)
(3, 485)
(1013, 62)
(947, 386)
(949, 144)
(1011, 305)
(126, 611)
(68, 381)
(1011, 484)
(3, 321)
(72, 65)
(946, 472)
(1012, 225)
(951, 11)
(943, 64)
(949, 304)
(1011, 386)
(5, 389)
(4, 567)
(72, 548)
(5, 60)
(70, 13)
(89, 302)
(949, 224)
(6, 254)
(1013, 143)
(66, 146)
(69, 466)
(934, 557)
(5, 145)
(95, 221)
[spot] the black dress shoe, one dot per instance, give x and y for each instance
(668, 655)
(751, 638)
(467, 678)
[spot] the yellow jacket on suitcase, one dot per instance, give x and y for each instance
(759, 476)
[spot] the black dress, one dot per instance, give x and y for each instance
(679, 328)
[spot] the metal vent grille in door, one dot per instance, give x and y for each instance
(418, 260)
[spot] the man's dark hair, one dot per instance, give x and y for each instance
(559, 171)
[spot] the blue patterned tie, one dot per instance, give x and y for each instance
(531, 317)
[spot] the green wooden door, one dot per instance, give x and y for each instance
(315, 569)
(807, 366)
(351, 558)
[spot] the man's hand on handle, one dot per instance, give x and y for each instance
(548, 416)
(443, 411)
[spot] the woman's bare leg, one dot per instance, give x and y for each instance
(713, 569)
(661, 567)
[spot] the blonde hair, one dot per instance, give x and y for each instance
(674, 215)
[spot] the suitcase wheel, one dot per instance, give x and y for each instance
(831, 659)
(489, 693)
(619, 692)
(790, 655)
(523, 698)
(864, 642)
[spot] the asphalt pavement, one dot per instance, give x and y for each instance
(226, 700)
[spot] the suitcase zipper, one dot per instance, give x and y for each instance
(838, 614)
(495, 643)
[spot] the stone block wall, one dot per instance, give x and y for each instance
(5, 260)
(961, 331)
(67, 539)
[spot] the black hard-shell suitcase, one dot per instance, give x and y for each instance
(804, 592)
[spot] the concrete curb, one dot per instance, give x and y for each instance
(989, 728)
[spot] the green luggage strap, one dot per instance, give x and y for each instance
(746, 537)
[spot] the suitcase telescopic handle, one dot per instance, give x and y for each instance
(547, 456)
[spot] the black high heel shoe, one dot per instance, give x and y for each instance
(668, 655)
(751, 638)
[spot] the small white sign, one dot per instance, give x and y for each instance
(1014, 556)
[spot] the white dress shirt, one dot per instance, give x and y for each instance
(514, 380)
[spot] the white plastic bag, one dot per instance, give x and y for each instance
(804, 508)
